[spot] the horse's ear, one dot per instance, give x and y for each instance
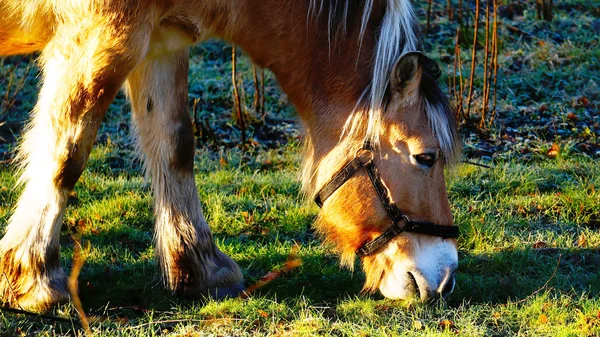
(407, 73)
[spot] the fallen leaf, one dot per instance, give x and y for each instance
(263, 313)
(418, 325)
(446, 324)
(292, 262)
(554, 151)
(223, 161)
(572, 117)
(539, 245)
(583, 101)
(582, 241)
(81, 225)
(543, 319)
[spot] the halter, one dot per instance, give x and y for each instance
(400, 222)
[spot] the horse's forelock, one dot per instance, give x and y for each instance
(397, 34)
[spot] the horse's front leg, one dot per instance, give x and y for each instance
(84, 66)
(191, 263)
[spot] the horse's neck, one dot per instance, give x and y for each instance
(322, 72)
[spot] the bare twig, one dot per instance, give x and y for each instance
(187, 320)
(73, 282)
(292, 262)
(545, 286)
(473, 60)
(495, 61)
(12, 291)
(262, 96)
(486, 73)
(236, 97)
(466, 161)
(42, 316)
(258, 92)
(460, 13)
(428, 16)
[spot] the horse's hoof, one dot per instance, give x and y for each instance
(34, 295)
(227, 292)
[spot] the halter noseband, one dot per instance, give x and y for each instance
(364, 158)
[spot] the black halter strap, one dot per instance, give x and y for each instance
(400, 222)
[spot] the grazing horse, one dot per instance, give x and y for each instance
(378, 132)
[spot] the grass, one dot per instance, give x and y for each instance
(530, 244)
(258, 217)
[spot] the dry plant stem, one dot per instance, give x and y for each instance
(459, 96)
(243, 97)
(545, 286)
(544, 9)
(476, 164)
(12, 291)
(454, 69)
(428, 16)
(11, 95)
(186, 320)
(495, 61)
(195, 113)
(38, 315)
(473, 61)
(262, 96)
(256, 90)
(484, 103)
(449, 9)
(236, 96)
(452, 80)
(73, 283)
(292, 262)
(548, 10)
(460, 13)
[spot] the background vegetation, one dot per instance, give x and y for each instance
(530, 244)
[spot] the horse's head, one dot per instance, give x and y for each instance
(387, 203)
(379, 134)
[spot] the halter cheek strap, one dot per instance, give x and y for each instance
(400, 222)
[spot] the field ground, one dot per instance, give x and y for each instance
(530, 244)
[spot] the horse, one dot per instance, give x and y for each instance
(379, 133)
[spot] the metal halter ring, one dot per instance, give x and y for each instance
(365, 156)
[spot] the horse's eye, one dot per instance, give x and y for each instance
(426, 159)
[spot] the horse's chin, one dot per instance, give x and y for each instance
(426, 274)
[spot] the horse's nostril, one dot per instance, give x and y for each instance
(448, 286)
(412, 284)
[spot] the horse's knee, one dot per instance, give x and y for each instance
(71, 167)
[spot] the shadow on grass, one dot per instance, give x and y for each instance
(133, 286)
(497, 278)
(510, 276)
